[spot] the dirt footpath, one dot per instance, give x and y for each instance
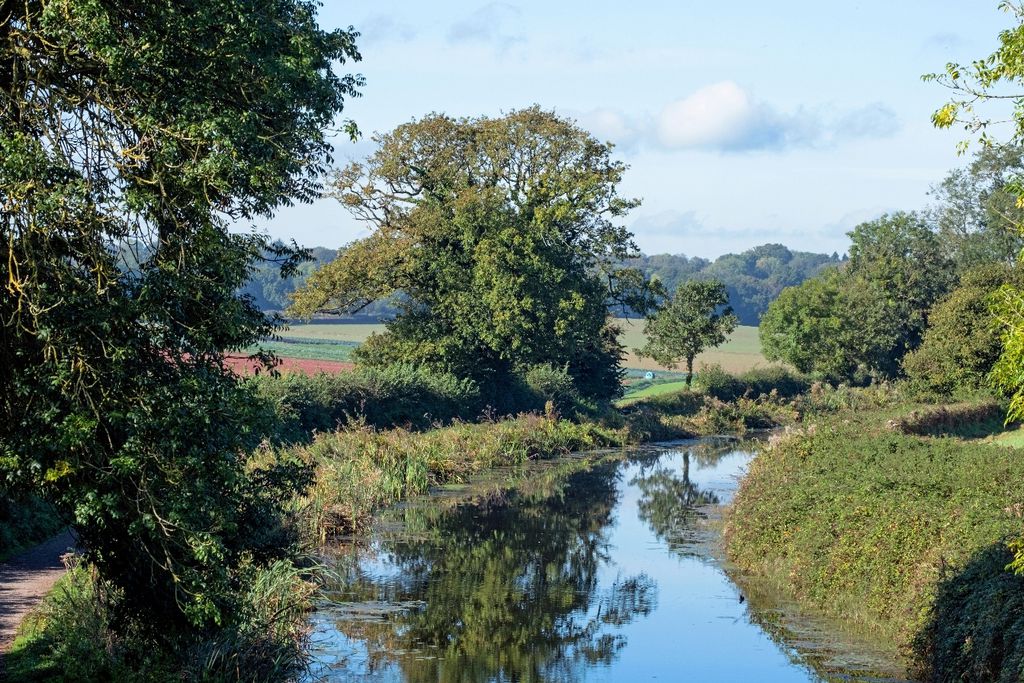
(24, 580)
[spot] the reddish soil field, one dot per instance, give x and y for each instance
(242, 365)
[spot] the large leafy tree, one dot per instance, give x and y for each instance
(976, 214)
(146, 129)
(499, 235)
(808, 326)
(695, 318)
(997, 77)
(898, 269)
(860, 321)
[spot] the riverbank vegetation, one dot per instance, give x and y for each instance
(365, 442)
(860, 515)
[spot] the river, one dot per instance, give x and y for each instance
(572, 570)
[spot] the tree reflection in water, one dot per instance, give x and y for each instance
(669, 502)
(509, 587)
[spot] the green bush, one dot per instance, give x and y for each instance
(382, 397)
(783, 382)
(823, 399)
(716, 382)
(755, 383)
(961, 343)
(553, 385)
(71, 637)
(686, 414)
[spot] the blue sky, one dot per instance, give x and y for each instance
(742, 122)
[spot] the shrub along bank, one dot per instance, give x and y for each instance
(413, 397)
(901, 534)
(361, 470)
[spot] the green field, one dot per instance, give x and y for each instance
(334, 341)
(338, 332)
(309, 349)
(329, 341)
(655, 390)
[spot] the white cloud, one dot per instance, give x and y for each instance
(669, 223)
(383, 28)
(874, 120)
(945, 43)
(727, 118)
(719, 115)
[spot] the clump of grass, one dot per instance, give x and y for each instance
(962, 419)
(270, 641)
(864, 522)
(363, 469)
(71, 636)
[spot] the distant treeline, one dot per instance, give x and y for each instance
(753, 278)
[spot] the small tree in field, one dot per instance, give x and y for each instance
(690, 321)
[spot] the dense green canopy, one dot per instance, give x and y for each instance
(962, 344)
(131, 135)
(500, 235)
(861, 320)
(752, 278)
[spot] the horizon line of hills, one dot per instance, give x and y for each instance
(753, 278)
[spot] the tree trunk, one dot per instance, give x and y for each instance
(689, 371)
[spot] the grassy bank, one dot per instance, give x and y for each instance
(894, 532)
(359, 471)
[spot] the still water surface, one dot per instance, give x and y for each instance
(579, 572)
